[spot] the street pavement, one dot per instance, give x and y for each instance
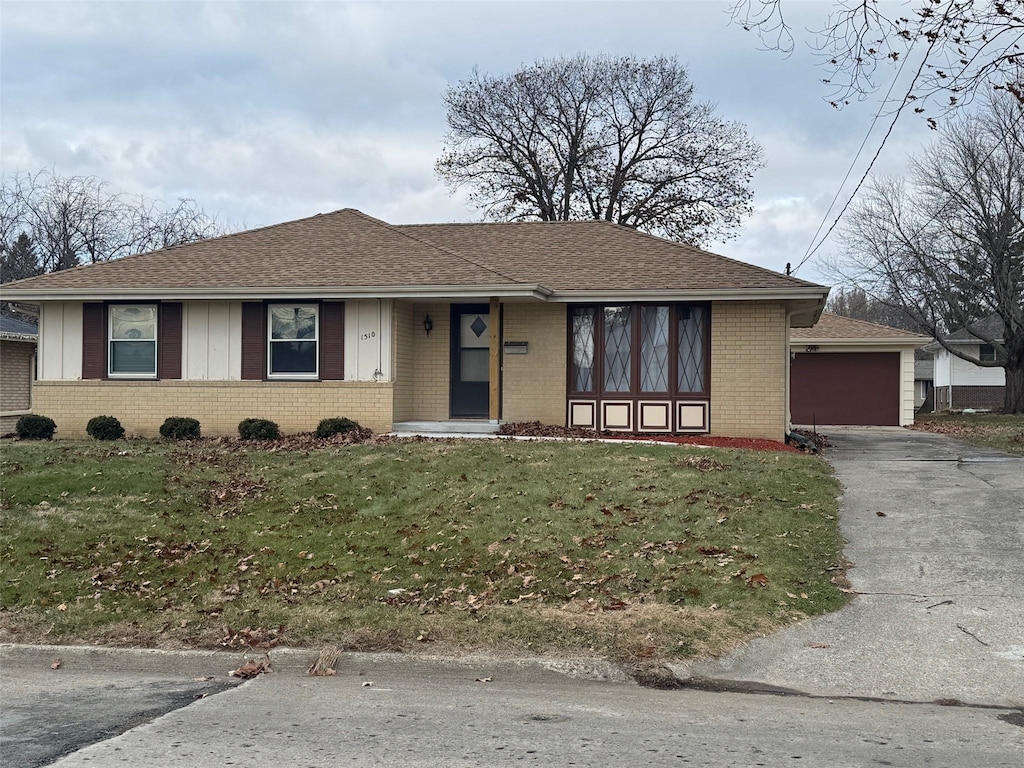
(394, 711)
(934, 531)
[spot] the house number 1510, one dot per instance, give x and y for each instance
(369, 335)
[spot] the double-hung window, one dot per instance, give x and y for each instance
(132, 340)
(293, 341)
(986, 353)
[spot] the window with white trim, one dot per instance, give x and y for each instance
(132, 340)
(293, 341)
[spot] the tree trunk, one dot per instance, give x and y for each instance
(1013, 401)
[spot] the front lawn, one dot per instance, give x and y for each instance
(1005, 432)
(619, 551)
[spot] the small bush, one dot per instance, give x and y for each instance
(32, 427)
(180, 428)
(258, 429)
(330, 427)
(104, 428)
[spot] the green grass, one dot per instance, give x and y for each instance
(619, 551)
(1004, 432)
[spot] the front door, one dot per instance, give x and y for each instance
(471, 360)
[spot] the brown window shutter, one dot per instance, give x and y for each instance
(94, 340)
(169, 343)
(254, 340)
(332, 341)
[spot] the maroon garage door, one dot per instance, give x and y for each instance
(846, 388)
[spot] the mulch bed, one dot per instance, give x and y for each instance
(536, 429)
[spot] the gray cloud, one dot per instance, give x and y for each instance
(269, 111)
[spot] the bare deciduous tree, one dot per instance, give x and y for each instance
(963, 47)
(599, 137)
(946, 244)
(73, 220)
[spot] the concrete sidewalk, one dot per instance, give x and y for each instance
(935, 534)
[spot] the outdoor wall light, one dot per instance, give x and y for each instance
(428, 324)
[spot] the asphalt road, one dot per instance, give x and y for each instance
(426, 714)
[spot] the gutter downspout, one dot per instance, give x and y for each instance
(789, 366)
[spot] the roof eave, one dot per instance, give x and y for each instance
(538, 292)
(692, 294)
(861, 342)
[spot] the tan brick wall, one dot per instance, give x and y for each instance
(748, 369)
(534, 383)
(431, 369)
(403, 354)
(142, 406)
(15, 380)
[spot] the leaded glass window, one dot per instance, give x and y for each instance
(692, 321)
(583, 320)
(653, 349)
(618, 349)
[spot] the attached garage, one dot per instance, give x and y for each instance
(851, 372)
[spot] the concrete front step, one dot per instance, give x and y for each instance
(451, 427)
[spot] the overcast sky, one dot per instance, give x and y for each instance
(269, 111)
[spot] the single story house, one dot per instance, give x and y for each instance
(848, 371)
(17, 369)
(960, 383)
(581, 323)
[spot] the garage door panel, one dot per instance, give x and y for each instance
(846, 388)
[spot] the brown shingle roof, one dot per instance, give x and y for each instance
(348, 249)
(341, 248)
(839, 328)
(595, 256)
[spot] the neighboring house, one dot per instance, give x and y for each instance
(583, 323)
(849, 371)
(924, 381)
(960, 383)
(17, 369)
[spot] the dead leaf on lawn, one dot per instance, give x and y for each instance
(758, 580)
(484, 679)
(368, 684)
(881, 514)
(56, 664)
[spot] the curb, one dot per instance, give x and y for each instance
(290, 661)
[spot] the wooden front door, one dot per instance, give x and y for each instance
(470, 360)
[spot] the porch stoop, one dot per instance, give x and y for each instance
(452, 428)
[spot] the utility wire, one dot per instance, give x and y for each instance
(812, 249)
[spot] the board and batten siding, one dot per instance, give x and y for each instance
(211, 340)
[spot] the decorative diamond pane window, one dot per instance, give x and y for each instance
(293, 341)
(132, 340)
(653, 349)
(691, 349)
(583, 319)
(475, 333)
(618, 357)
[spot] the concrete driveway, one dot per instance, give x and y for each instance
(935, 533)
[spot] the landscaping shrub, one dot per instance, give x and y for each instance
(258, 429)
(330, 427)
(104, 428)
(32, 427)
(179, 428)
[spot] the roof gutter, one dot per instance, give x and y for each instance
(537, 292)
(865, 342)
(701, 294)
